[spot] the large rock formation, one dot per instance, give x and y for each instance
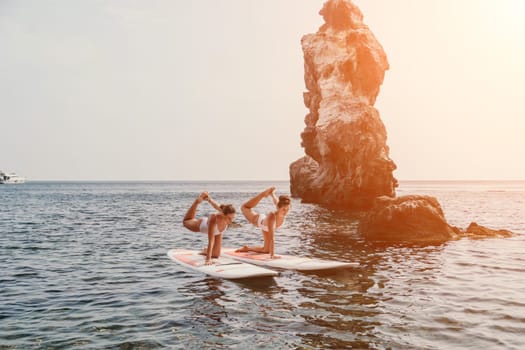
(347, 160)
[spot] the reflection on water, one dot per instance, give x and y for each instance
(337, 298)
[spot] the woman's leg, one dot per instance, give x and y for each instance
(265, 249)
(216, 249)
(252, 249)
(189, 221)
(251, 215)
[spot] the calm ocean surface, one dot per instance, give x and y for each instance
(84, 266)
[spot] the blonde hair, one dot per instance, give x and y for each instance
(227, 209)
(283, 200)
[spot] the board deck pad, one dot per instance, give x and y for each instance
(223, 267)
(286, 261)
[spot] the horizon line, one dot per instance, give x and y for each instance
(267, 180)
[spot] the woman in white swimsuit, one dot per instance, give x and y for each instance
(267, 223)
(214, 225)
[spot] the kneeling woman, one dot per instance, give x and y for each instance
(267, 223)
(214, 225)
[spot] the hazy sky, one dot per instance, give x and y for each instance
(212, 89)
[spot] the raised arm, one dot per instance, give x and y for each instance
(274, 197)
(213, 203)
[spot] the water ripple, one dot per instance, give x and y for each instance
(84, 267)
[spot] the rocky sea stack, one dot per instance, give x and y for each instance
(347, 163)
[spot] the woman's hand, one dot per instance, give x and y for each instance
(208, 262)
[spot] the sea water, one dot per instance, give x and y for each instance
(84, 266)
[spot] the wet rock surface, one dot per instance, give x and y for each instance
(347, 163)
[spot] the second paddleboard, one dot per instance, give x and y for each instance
(286, 261)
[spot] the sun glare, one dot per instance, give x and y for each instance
(508, 14)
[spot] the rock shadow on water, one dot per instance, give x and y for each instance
(337, 303)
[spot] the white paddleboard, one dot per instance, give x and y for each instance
(223, 267)
(286, 261)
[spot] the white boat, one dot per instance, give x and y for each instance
(11, 178)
